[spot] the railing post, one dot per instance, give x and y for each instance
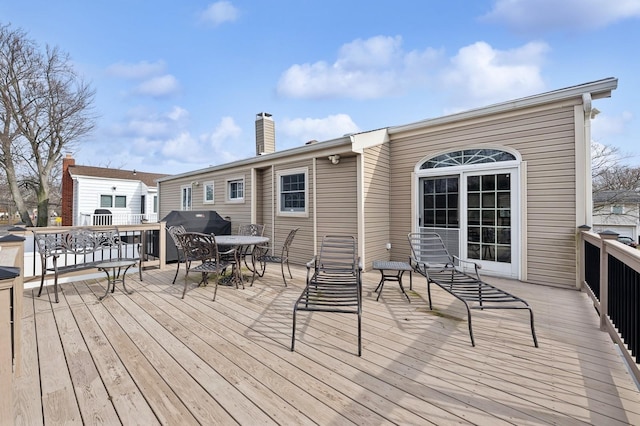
(604, 277)
(162, 241)
(581, 256)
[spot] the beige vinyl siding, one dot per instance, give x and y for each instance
(278, 226)
(170, 197)
(337, 193)
(376, 203)
(545, 139)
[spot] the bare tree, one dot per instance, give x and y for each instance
(45, 108)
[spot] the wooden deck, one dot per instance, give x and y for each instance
(153, 358)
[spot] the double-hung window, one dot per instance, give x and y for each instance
(235, 189)
(293, 192)
(208, 197)
(185, 198)
(108, 201)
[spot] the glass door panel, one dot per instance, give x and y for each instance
(489, 217)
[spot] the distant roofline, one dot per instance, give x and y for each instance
(597, 89)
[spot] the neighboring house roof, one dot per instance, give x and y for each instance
(148, 179)
(616, 197)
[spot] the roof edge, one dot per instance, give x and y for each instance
(597, 89)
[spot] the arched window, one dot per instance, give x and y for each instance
(467, 157)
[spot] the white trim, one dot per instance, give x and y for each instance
(289, 172)
(188, 188)
(226, 189)
(204, 192)
(516, 267)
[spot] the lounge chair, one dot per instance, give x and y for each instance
(333, 282)
(430, 258)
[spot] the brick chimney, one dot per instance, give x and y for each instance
(67, 191)
(265, 134)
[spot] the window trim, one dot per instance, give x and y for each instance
(289, 172)
(213, 192)
(183, 206)
(113, 198)
(228, 182)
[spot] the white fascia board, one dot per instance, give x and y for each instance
(597, 89)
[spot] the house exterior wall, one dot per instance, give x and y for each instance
(337, 198)
(89, 189)
(371, 192)
(277, 226)
(376, 201)
(545, 138)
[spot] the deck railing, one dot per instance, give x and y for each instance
(610, 274)
(91, 219)
(144, 240)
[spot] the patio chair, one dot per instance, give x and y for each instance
(254, 230)
(333, 282)
(174, 232)
(263, 256)
(430, 258)
(202, 247)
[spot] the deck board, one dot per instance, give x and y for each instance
(154, 358)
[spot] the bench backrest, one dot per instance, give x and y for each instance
(78, 241)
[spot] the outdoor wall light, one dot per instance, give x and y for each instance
(113, 188)
(335, 159)
(195, 183)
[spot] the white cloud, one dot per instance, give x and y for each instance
(139, 70)
(365, 69)
(220, 12)
(164, 85)
(307, 129)
(535, 16)
(183, 146)
(480, 74)
(604, 126)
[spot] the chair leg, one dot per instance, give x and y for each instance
(41, 282)
(293, 330)
(473, 343)
(359, 334)
(215, 288)
(185, 287)
(533, 331)
(176, 275)
(282, 270)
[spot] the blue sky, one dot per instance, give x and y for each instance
(179, 83)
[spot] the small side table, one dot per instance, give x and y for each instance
(393, 271)
(118, 268)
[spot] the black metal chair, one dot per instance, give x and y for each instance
(430, 258)
(263, 256)
(202, 247)
(254, 230)
(333, 282)
(174, 232)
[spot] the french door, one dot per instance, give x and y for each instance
(476, 214)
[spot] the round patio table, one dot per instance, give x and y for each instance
(243, 244)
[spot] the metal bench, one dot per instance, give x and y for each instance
(78, 249)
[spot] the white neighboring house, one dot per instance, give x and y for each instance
(617, 211)
(105, 196)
